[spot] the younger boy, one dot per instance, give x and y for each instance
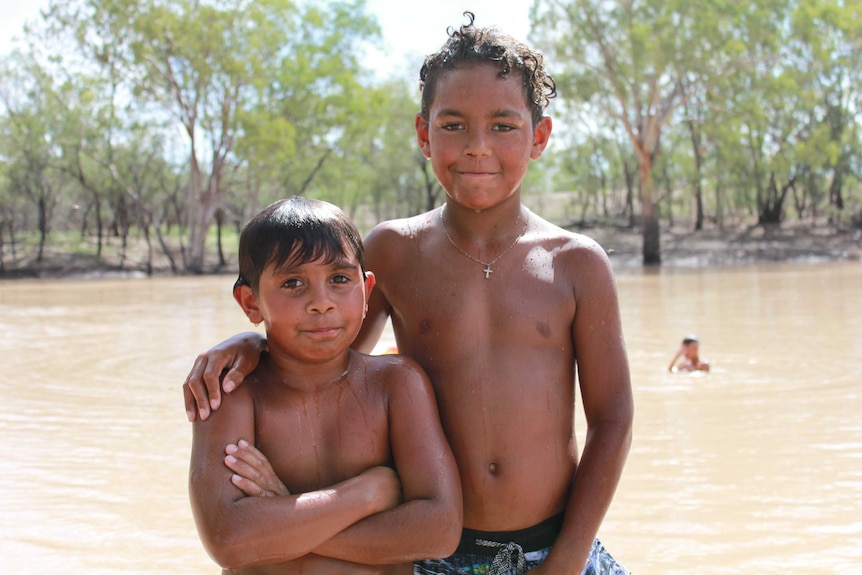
(502, 309)
(366, 480)
(688, 356)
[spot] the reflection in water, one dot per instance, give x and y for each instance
(756, 467)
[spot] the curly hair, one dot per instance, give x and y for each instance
(470, 44)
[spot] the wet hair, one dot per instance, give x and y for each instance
(469, 45)
(296, 231)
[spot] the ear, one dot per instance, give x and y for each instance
(370, 282)
(541, 135)
(422, 136)
(246, 299)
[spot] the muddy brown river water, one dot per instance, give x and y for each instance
(753, 468)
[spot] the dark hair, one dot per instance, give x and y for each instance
(469, 44)
(299, 230)
(689, 339)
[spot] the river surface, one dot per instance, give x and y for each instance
(753, 468)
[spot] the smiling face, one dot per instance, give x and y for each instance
(479, 135)
(312, 311)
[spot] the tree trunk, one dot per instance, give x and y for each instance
(43, 228)
(2, 261)
(201, 220)
(771, 207)
(222, 262)
(649, 215)
(698, 175)
(629, 174)
(99, 227)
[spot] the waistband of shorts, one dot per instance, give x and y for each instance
(535, 538)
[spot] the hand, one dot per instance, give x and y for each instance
(253, 474)
(386, 487)
(230, 361)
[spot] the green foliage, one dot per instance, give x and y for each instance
(765, 94)
(152, 119)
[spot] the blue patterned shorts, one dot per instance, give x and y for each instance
(512, 553)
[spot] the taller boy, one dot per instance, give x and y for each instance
(500, 308)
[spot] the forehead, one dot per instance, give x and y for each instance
(323, 255)
(479, 87)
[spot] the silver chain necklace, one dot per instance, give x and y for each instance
(488, 271)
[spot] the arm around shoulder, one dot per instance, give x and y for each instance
(225, 364)
(379, 244)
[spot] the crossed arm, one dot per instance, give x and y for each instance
(377, 517)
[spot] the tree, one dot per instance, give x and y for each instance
(639, 62)
(829, 35)
(206, 64)
(32, 115)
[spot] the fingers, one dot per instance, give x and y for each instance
(195, 392)
(245, 477)
(235, 376)
(212, 367)
(247, 486)
(248, 454)
(253, 473)
(191, 406)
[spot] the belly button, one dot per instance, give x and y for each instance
(492, 468)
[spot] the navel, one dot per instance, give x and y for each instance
(492, 468)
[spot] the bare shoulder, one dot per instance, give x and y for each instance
(582, 256)
(395, 372)
(399, 230)
(391, 366)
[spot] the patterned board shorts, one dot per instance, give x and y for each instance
(478, 556)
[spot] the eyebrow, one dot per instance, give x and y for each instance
(502, 113)
(339, 263)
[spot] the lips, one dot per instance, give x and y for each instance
(323, 333)
(474, 173)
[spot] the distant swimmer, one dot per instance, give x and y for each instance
(688, 357)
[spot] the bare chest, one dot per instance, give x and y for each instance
(316, 440)
(452, 303)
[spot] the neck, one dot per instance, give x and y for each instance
(494, 224)
(306, 376)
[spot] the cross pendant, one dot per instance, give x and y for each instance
(488, 271)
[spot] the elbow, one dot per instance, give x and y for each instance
(626, 426)
(222, 534)
(616, 430)
(450, 523)
(450, 539)
(237, 549)
(227, 550)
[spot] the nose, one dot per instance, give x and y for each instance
(477, 144)
(320, 300)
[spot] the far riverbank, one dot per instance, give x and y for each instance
(679, 248)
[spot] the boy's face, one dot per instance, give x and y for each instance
(311, 312)
(479, 135)
(691, 350)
